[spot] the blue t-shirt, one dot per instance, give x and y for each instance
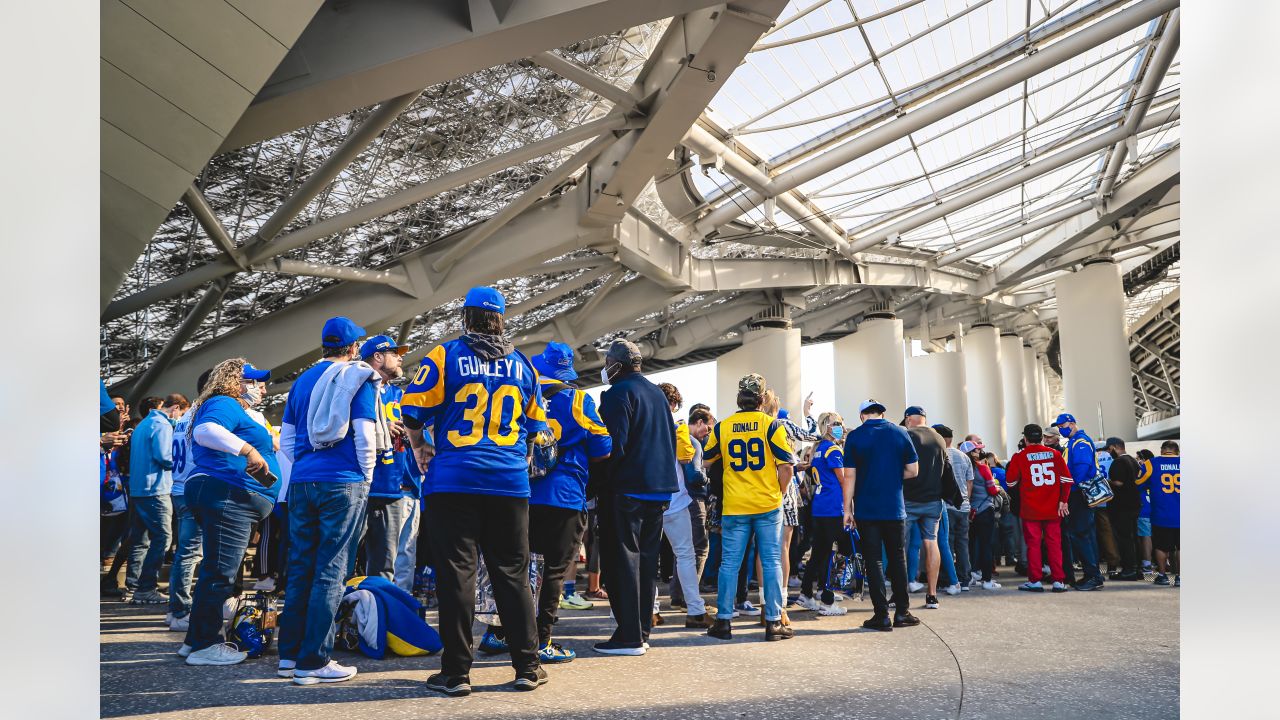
(1144, 495)
(829, 500)
(1162, 476)
(879, 451)
(226, 411)
(482, 412)
(337, 463)
(389, 469)
(580, 435)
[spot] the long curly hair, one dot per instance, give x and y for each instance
(225, 379)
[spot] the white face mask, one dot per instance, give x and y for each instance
(253, 394)
(604, 376)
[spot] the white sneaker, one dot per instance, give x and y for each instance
(181, 624)
(286, 667)
(793, 582)
(184, 651)
(964, 588)
(220, 654)
(952, 589)
(168, 618)
(809, 603)
(331, 673)
(266, 584)
(229, 608)
(990, 585)
(832, 609)
(915, 587)
(976, 577)
(1059, 587)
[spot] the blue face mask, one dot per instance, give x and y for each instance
(837, 432)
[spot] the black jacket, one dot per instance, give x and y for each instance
(644, 437)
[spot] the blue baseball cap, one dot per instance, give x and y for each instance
(253, 373)
(380, 343)
(871, 405)
(1064, 418)
(914, 410)
(556, 361)
(485, 298)
(783, 414)
(339, 332)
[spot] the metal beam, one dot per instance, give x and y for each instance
(693, 60)
(356, 54)
(1151, 80)
(303, 236)
(994, 241)
(393, 276)
(584, 78)
(199, 206)
(205, 305)
(1006, 77)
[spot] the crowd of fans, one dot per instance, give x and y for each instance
(487, 454)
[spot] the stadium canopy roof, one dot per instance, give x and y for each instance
(674, 181)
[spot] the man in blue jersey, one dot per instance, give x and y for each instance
(1082, 461)
(1163, 475)
(558, 500)
(392, 514)
(880, 456)
(150, 479)
(482, 398)
(329, 433)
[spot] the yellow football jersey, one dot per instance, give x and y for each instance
(751, 444)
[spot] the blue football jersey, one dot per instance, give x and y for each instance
(1163, 479)
(482, 412)
(389, 468)
(580, 435)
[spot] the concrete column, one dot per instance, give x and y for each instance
(771, 352)
(1030, 386)
(1011, 379)
(1096, 375)
(936, 383)
(870, 364)
(985, 390)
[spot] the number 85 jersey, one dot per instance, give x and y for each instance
(1043, 480)
(483, 410)
(751, 445)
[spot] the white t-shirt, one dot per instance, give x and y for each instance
(183, 460)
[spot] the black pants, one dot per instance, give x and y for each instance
(462, 526)
(1125, 526)
(827, 531)
(885, 536)
(554, 533)
(630, 536)
(272, 558)
(802, 538)
(983, 529)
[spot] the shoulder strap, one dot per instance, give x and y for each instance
(550, 390)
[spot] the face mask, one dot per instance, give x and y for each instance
(604, 375)
(253, 395)
(837, 432)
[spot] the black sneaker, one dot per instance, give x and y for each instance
(905, 619)
(777, 631)
(722, 629)
(931, 602)
(610, 647)
(531, 679)
(1162, 580)
(878, 622)
(1089, 585)
(451, 686)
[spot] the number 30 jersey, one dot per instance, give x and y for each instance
(751, 445)
(1163, 475)
(1043, 480)
(482, 412)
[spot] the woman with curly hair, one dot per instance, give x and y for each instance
(231, 451)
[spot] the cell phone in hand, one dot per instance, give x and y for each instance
(265, 477)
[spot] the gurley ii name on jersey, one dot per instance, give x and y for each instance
(502, 367)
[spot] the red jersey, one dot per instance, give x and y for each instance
(1048, 481)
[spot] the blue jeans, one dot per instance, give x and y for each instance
(185, 558)
(323, 519)
(151, 519)
(1084, 538)
(735, 530)
(948, 564)
(227, 515)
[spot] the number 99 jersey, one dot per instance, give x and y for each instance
(751, 445)
(482, 412)
(1163, 474)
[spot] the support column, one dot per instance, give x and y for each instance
(936, 383)
(771, 352)
(1096, 375)
(1030, 387)
(985, 390)
(1011, 378)
(870, 364)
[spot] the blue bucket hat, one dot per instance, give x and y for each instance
(556, 361)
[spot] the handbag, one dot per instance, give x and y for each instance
(1097, 491)
(846, 574)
